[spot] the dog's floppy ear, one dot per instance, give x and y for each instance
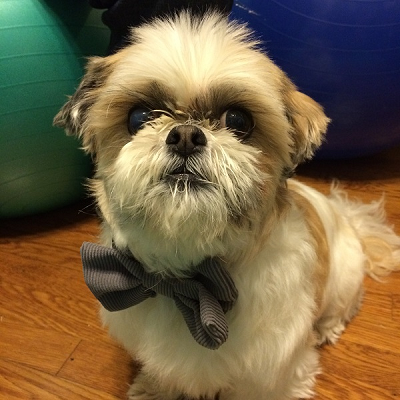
(308, 120)
(73, 114)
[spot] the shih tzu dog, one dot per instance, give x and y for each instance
(216, 271)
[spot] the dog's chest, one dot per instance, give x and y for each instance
(156, 333)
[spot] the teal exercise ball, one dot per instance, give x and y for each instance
(43, 47)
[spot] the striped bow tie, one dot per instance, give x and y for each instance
(119, 281)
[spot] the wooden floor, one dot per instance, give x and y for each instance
(53, 347)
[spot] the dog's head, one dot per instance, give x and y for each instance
(192, 128)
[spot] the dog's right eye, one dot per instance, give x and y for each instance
(137, 118)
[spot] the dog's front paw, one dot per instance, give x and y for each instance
(329, 330)
(145, 388)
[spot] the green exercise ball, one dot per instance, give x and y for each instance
(43, 47)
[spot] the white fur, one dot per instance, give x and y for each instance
(244, 213)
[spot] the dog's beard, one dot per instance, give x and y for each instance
(204, 194)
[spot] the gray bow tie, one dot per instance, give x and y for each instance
(119, 281)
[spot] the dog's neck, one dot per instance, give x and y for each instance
(171, 255)
(175, 254)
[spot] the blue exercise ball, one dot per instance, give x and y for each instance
(344, 54)
(43, 46)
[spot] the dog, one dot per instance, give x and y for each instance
(195, 134)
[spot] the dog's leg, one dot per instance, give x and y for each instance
(329, 327)
(297, 381)
(145, 387)
(301, 380)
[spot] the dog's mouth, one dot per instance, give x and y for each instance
(182, 176)
(182, 173)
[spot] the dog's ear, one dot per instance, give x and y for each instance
(73, 114)
(308, 120)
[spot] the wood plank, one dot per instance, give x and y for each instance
(396, 308)
(334, 387)
(389, 285)
(19, 382)
(369, 365)
(60, 250)
(111, 368)
(43, 295)
(43, 349)
(377, 307)
(382, 335)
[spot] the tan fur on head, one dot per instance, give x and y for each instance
(308, 121)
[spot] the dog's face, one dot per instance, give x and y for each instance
(193, 130)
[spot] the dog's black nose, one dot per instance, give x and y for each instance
(186, 139)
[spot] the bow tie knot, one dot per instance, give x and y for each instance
(119, 281)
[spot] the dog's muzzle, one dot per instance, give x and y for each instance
(185, 141)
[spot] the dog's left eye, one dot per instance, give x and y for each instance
(238, 121)
(137, 118)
